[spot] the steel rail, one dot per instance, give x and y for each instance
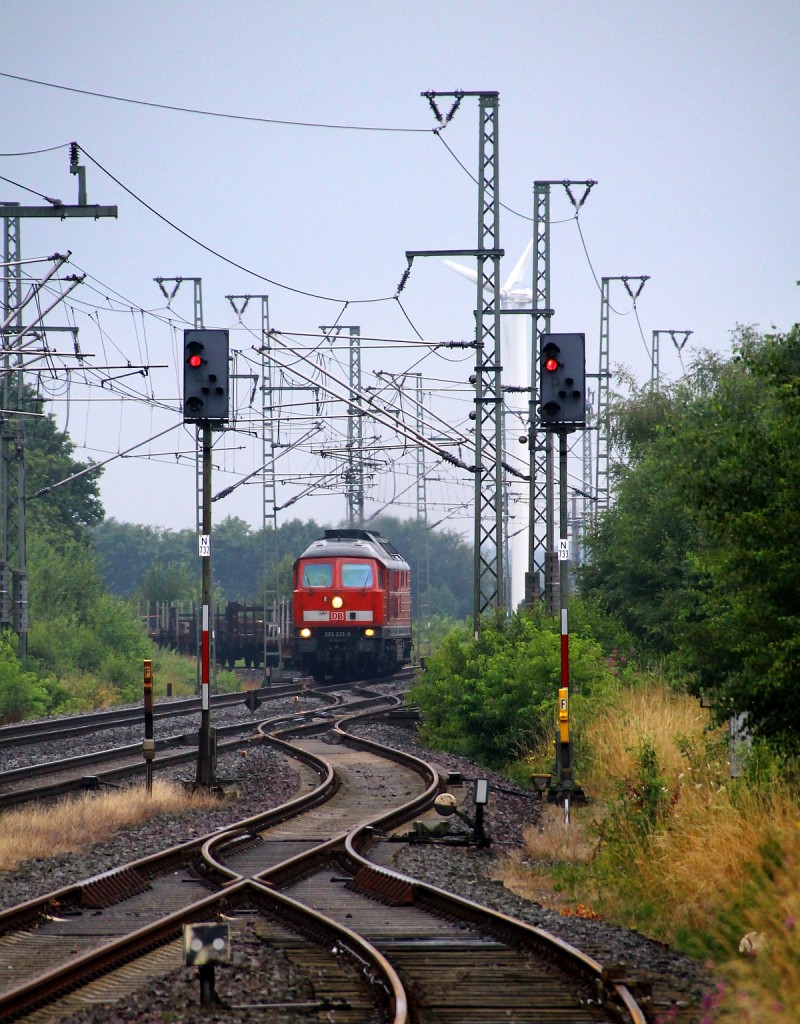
(67, 726)
(385, 882)
(46, 986)
(349, 848)
(40, 907)
(381, 879)
(318, 928)
(112, 776)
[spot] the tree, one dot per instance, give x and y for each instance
(21, 693)
(700, 554)
(126, 551)
(166, 584)
(238, 558)
(140, 559)
(49, 460)
(743, 635)
(78, 630)
(449, 558)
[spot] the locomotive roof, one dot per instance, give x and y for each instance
(351, 543)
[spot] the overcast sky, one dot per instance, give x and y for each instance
(685, 113)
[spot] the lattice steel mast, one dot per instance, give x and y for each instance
(355, 436)
(354, 470)
(423, 550)
(489, 581)
(655, 371)
(541, 495)
(601, 490)
(489, 573)
(12, 213)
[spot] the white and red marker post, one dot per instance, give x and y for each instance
(206, 776)
(563, 746)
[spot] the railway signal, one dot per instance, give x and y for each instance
(562, 375)
(204, 946)
(562, 409)
(205, 376)
(206, 379)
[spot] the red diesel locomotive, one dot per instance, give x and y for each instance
(351, 606)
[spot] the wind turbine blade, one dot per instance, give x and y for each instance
(516, 275)
(468, 272)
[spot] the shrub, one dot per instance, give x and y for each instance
(493, 697)
(22, 694)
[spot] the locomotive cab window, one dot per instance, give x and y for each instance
(356, 574)
(317, 574)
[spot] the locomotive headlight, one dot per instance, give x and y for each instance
(305, 633)
(369, 632)
(337, 602)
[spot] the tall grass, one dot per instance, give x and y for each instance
(76, 822)
(685, 853)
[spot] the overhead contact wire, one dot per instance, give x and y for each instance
(211, 113)
(227, 259)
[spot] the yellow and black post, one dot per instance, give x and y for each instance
(563, 750)
(149, 743)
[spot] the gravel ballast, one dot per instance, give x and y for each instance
(266, 779)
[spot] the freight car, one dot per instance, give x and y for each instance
(351, 606)
(238, 633)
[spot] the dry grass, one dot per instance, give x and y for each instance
(77, 822)
(530, 882)
(719, 858)
(696, 858)
(551, 843)
(766, 987)
(669, 721)
(699, 860)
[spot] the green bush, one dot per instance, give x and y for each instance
(22, 694)
(492, 698)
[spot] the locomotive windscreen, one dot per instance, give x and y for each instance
(356, 574)
(317, 574)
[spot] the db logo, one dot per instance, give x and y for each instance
(337, 616)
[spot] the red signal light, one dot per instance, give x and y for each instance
(195, 360)
(551, 364)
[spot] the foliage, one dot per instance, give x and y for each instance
(174, 673)
(85, 646)
(639, 808)
(431, 633)
(449, 565)
(126, 551)
(672, 846)
(88, 639)
(166, 584)
(21, 693)
(490, 698)
(144, 562)
(588, 618)
(766, 984)
(700, 556)
(71, 508)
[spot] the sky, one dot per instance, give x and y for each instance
(684, 113)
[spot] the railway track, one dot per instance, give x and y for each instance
(71, 727)
(312, 881)
(47, 779)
